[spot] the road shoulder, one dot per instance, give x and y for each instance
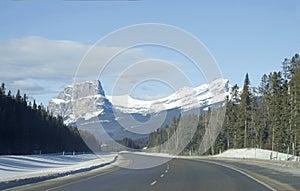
(259, 171)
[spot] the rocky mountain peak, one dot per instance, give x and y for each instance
(86, 100)
(82, 100)
(88, 88)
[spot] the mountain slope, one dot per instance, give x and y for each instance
(186, 98)
(86, 106)
(84, 100)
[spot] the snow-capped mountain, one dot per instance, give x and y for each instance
(84, 100)
(185, 98)
(86, 106)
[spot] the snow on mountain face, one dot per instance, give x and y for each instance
(87, 100)
(185, 98)
(83, 100)
(86, 105)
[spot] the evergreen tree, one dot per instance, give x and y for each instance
(2, 89)
(295, 112)
(286, 65)
(285, 130)
(24, 99)
(34, 106)
(18, 96)
(25, 130)
(275, 103)
(231, 119)
(245, 114)
(9, 94)
(294, 65)
(262, 112)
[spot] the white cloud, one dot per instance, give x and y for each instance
(39, 58)
(28, 86)
(40, 67)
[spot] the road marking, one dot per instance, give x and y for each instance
(162, 175)
(166, 171)
(168, 166)
(154, 182)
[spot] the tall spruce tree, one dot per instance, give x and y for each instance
(231, 119)
(295, 112)
(262, 112)
(275, 103)
(18, 96)
(245, 113)
(2, 89)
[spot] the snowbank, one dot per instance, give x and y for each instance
(253, 153)
(166, 155)
(14, 168)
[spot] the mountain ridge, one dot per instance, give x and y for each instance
(87, 100)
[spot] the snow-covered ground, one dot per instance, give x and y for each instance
(275, 161)
(247, 153)
(150, 154)
(13, 167)
(253, 153)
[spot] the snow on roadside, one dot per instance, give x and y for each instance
(150, 154)
(261, 157)
(253, 153)
(13, 167)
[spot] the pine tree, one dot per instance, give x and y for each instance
(294, 65)
(262, 112)
(24, 99)
(2, 89)
(231, 119)
(275, 101)
(34, 106)
(245, 114)
(287, 69)
(285, 132)
(25, 130)
(18, 96)
(295, 114)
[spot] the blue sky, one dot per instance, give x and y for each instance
(243, 36)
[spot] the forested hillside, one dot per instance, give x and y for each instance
(266, 117)
(27, 128)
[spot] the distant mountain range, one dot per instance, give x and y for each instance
(86, 106)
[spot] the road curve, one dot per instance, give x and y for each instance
(176, 174)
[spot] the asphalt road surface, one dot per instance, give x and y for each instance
(173, 175)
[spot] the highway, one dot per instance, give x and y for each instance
(173, 175)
